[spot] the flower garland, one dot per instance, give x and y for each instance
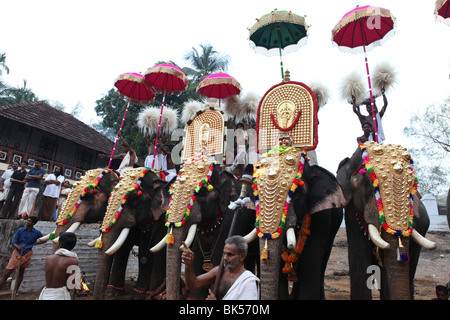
(379, 202)
(292, 258)
(297, 182)
(75, 208)
(171, 225)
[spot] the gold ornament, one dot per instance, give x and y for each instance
(392, 166)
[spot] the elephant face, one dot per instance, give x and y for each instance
(139, 198)
(289, 184)
(206, 204)
(87, 200)
(377, 181)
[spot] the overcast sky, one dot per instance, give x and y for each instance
(72, 51)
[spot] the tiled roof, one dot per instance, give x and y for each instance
(42, 116)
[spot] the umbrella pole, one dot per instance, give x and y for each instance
(371, 97)
(120, 130)
(159, 126)
(281, 55)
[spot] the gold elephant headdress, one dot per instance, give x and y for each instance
(205, 133)
(287, 125)
(88, 181)
(204, 137)
(288, 109)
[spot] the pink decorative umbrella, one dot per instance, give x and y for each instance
(132, 86)
(165, 78)
(219, 85)
(442, 11)
(363, 29)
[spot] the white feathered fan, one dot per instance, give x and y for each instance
(384, 77)
(353, 86)
(148, 120)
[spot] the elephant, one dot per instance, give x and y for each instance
(86, 202)
(207, 226)
(317, 201)
(372, 243)
(133, 217)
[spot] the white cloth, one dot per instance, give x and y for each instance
(27, 201)
(55, 294)
(246, 287)
(238, 203)
(67, 253)
(52, 190)
(160, 162)
(6, 184)
(124, 167)
(171, 173)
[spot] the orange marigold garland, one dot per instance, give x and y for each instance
(291, 258)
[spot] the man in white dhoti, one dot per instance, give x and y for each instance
(237, 283)
(59, 267)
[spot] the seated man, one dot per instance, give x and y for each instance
(237, 283)
(58, 268)
(368, 133)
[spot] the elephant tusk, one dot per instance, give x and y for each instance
(376, 238)
(158, 246)
(92, 243)
(422, 241)
(74, 227)
(190, 236)
(290, 238)
(44, 238)
(251, 236)
(119, 242)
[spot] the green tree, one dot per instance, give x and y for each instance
(431, 134)
(22, 94)
(204, 63)
(2, 64)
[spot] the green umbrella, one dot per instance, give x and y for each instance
(278, 33)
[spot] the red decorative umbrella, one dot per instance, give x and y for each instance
(361, 30)
(165, 78)
(442, 11)
(132, 86)
(219, 85)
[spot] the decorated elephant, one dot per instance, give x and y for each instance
(385, 220)
(133, 217)
(294, 196)
(199, 215)
(86, 202)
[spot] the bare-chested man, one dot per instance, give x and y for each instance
(237, 283)
(59, 267)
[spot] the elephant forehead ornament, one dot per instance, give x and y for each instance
(390, 168)
(204, 137)
(287, 125)
(130, 181)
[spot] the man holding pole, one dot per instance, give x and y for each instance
(237, 283)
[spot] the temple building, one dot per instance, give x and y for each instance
(36, 130)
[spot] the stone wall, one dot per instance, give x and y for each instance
(34, 278)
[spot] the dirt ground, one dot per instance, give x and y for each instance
(433, 269)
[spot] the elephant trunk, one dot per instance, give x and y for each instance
(173, 259)
(102, 276)
(395, 284)
(270, 269)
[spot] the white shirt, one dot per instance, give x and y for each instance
(52, 190)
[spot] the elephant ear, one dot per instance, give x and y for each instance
(228, 186)
(324, 190)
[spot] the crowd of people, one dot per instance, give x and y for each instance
(20, 187)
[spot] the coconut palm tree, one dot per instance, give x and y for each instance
(204, 63)
(2, 63)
